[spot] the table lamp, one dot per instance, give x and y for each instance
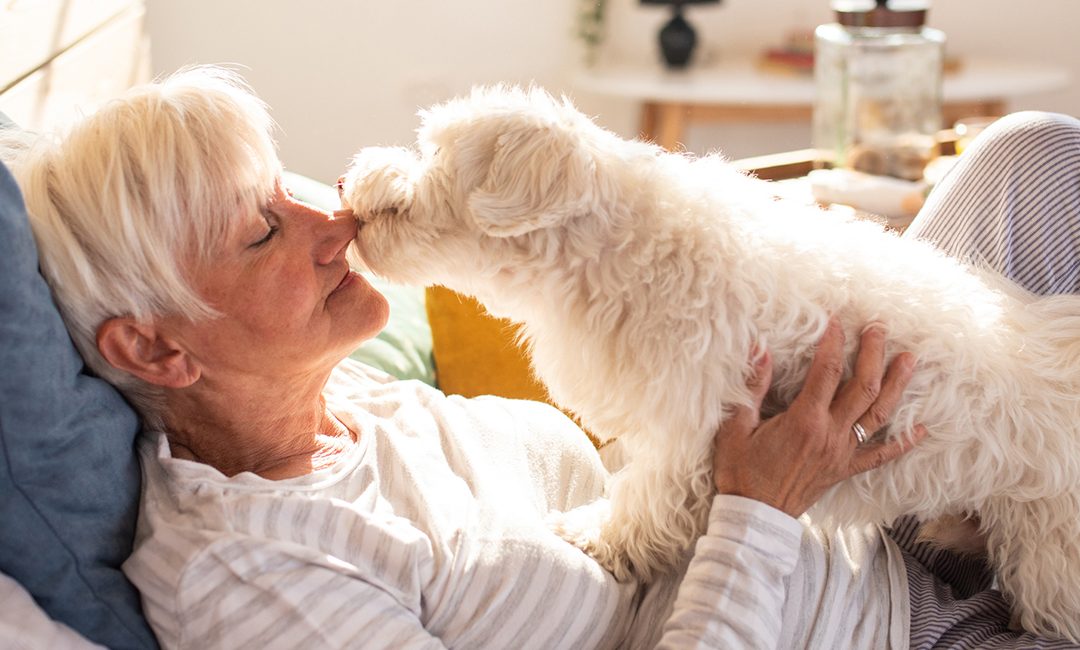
(677, 37)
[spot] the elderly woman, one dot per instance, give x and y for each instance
(292, 499)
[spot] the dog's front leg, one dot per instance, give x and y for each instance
(582, 525)
(658, 506)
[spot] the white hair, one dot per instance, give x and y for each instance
(128, 202)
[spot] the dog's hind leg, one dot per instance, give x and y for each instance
(1035, 547)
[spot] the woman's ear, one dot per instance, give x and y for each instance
(146, 352)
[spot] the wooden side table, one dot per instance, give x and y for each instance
(737, 90)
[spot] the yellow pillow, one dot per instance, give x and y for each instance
(477, 354)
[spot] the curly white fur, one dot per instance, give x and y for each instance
(644, 279)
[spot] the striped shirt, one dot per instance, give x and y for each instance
(430, 533)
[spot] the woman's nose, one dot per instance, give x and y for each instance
(344, 231)
(333, 232)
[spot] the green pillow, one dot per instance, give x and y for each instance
(403, 348)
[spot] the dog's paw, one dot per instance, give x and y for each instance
(380, 181)
(583, 527)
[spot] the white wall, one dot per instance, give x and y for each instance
(340, 74)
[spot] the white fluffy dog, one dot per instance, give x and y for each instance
(645, 279)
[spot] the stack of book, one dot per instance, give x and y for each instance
(794, 56)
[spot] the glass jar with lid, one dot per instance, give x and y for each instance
(877, 73)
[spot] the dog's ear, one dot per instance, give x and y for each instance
(540, 175)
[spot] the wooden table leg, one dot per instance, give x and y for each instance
(663, 123)
(648, 121)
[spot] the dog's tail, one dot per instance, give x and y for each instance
(1051, 329)
(1059, 319)
(1050, 324)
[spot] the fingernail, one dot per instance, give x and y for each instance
(875, 325)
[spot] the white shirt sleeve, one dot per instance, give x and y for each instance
(735, 587)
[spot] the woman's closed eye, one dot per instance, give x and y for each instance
(282, 194)
(269, 235)
(272, 229)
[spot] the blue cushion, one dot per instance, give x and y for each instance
(403, 347)
(69, 477)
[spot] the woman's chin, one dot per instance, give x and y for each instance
(374, 311)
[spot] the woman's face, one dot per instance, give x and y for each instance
(290, 303)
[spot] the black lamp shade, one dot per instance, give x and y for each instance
(677, 37)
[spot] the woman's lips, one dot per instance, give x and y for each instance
(350, 277)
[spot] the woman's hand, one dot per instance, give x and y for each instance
(792, 459)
